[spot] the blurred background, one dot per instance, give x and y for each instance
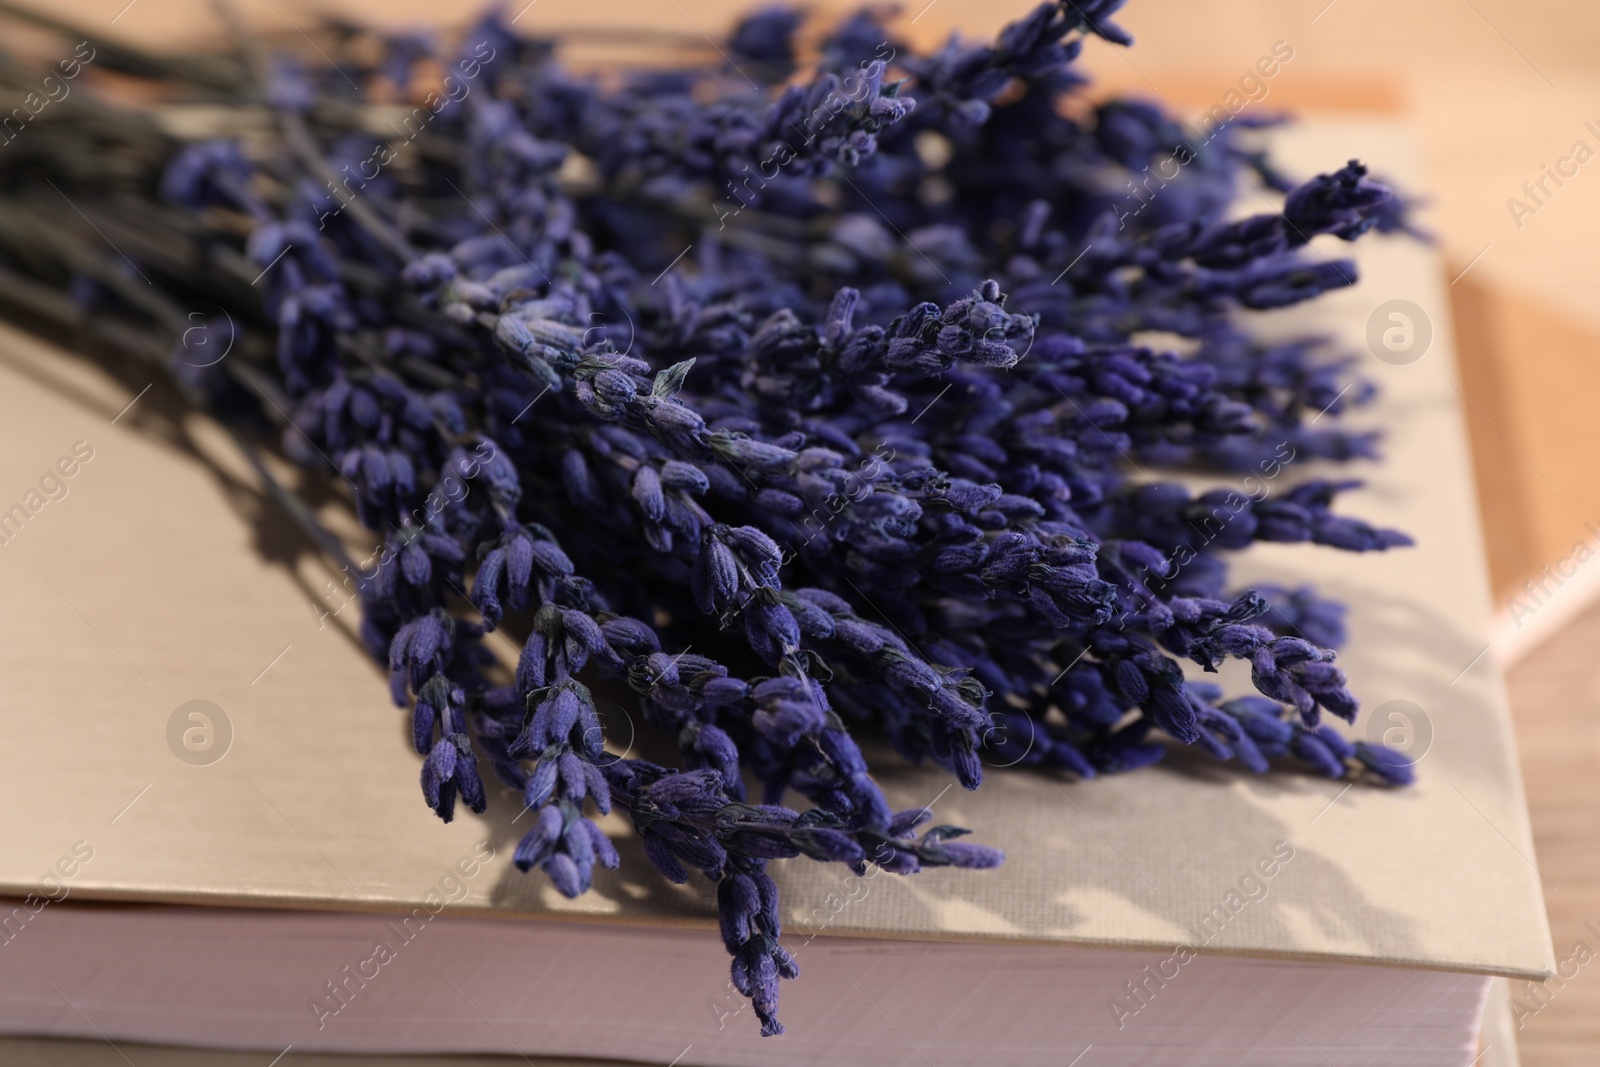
(1503, 98)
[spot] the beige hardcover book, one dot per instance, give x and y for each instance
(1272, 920)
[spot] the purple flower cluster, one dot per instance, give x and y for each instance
(801, 408)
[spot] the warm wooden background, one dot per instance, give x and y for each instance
(1495, 89)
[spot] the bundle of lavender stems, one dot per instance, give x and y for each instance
(808, 394)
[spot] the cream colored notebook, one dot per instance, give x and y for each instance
(155, 575)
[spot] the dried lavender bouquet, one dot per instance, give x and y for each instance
(806, 405)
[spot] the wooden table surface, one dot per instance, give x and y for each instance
(1555, 693)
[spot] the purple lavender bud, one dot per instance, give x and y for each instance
(605, 852)
(897, 860)
(538, 842)
(401, 474)
(780, 502)
(904, 823)
(364, 408)
(531, 664)
(486, 587)
(744, 452)
(1131, 681)
(815, 624)
(583, 636)
(574, 783)
(550, 560)
(1173, 711)
(1388, 764)
(1125, 751)
(715, 578)
(439, 771)
(825, 600)
(630, 634)
(466, 775)
(1243, 641)
(563, 874)
(445, 548)
(662, 669)
(438, 768)
(417, 643)
(905, 672)
(857, 636)
(575, 477)
(663, 860)
(967, 854)
(541, 784)
(1339, 701)
(676, 787)
(967, 766)
(770, 628)
(679, 423)
(737, 905)
(1250, 754)
(718, 749)
(1311, 748)
(580, 847)
(415, 565)
(565, 709)
(949, 703)
(1336, 742)
(514, 333)
(428, 271)
(676, 474)
(759, 551)
(423, 718)
(723, 691)
(599, 789)
(613, 387)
